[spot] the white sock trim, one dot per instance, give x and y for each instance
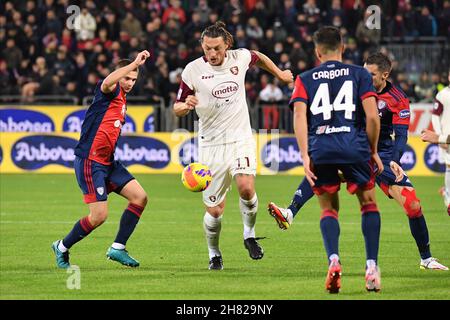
(212, 227)
(334, 256)
(250, 202)
(249, 209)
(371, 263)
(118, 246)
(61, 247)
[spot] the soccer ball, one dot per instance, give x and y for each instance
(196, 177)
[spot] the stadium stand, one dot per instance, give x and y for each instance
(48, 50)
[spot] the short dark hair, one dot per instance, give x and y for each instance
(383, 63)
(124, 62)
(328, 37)
(218, 30)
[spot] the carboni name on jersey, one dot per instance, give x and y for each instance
(330, 74)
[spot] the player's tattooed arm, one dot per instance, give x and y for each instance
(110, 82)
(264, 62)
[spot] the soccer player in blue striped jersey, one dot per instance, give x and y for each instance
(394, 112)
(336, 124)
(98, 173)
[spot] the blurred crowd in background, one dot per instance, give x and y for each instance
(47, 49)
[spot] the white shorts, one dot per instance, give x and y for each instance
(225, 161)
(445, 154)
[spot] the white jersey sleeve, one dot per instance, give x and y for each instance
(222, 108)
(442, 110)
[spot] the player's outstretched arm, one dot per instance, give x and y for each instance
(264, 62)
(182, 108)
(109, 84)
(373, 129)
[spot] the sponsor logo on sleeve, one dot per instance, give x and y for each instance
(403, 114)
(37, 151)
(20, 120)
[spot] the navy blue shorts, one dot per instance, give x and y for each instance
(387, 178)
(359, 176)
(97, 180)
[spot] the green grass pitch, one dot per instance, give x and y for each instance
(35, 210)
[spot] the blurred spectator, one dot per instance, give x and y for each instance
(131, 26)
(6, 81)
(12, 54)
(269, 96)
(288, 16)
(351, 53)
(368, 39)
(426, 23)
(52, 23)
(85, 25)
(203, 10)
(444, 20)
(253, 30)
(40, 54)
(396, 27)
(232, 7)
(63, 67)
(175, 11)
(424, 89)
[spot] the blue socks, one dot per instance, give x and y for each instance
(371, 225)
(302, 195)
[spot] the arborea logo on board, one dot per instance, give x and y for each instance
(20, 120)
(37, 151)
(432, 158)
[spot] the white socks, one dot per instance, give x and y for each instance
(61, 247)
(333, 257)
(249, 208)
(212, 227)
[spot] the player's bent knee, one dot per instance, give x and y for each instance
(247, 193)
(97, 218)
(413, 209)
(412, 203)
(216, 211)
(142, 199)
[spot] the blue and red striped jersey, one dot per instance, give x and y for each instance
(102, 125)
(333, 93)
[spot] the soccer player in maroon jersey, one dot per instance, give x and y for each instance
(96, 170)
